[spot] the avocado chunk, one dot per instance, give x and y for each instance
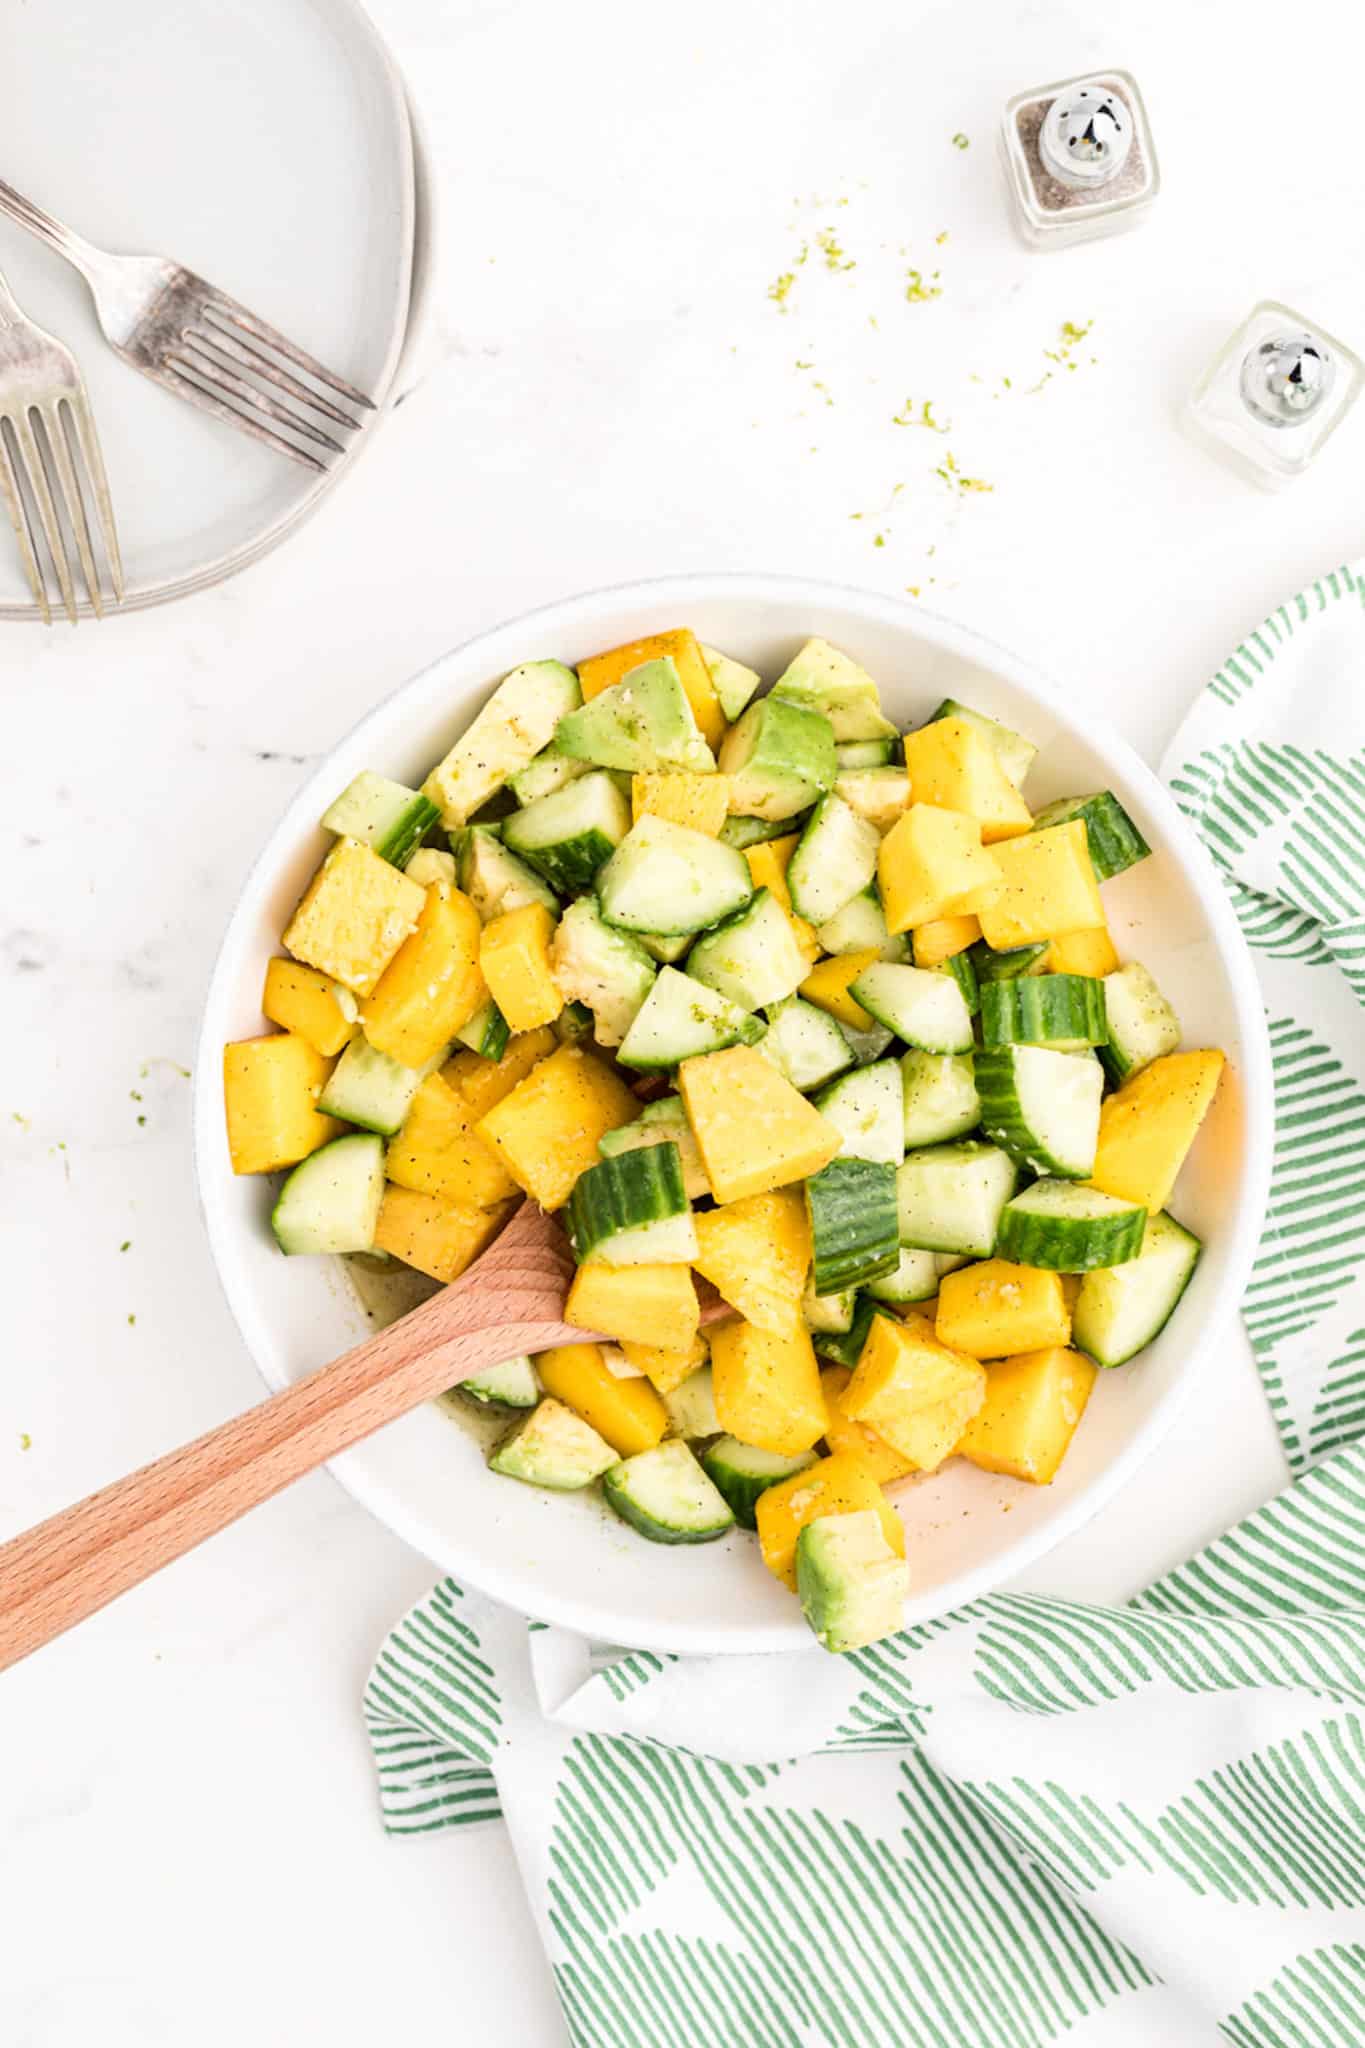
(852, 1585)
(642, 722)
(823, 679)
(553, 1447)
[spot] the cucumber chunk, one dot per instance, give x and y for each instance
(828, 1311)
(868, 1045)
(834, 860)
(486, 1032)
(608, 970)
(951, 1198)
(1070, 1229)
(852, 1585)
(643, 722)
(1065, 1011)
(939, 1097)
(860, 927)
(387, 817)
(923, 1007)
(330, 1202)
(1042, 1106)
(991, 965)
(753, 958)
(691, 1405)
(915, 1277)
(865, 753)
(630, 1210)
(1121, 1309)
(567, 837)
(573, 1024)
(779, 757)
(845, 1347)
(680, 1019)
(853, 1223)
(826, 681)
(733, 683)
(662, 1123)
(366, 1087)
(665, 1494)
(495, 879)
(1114, 840)
(517, 721)
(1142, 1024)
(1014, 753)
(512, 1384)
(806, 1045)
(667, 878)
(866, 1107)
(740, 1474)
(963, 970)
(554, 1448)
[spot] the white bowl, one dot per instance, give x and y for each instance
(564, 1559)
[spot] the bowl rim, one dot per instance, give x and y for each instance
(673, 594)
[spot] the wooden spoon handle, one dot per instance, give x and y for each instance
(68, 1567)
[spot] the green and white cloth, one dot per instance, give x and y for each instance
(1032, 1821)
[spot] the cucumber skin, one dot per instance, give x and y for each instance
(844, 1347)
(622, 1192)
(855, 1226)
(614, 1484)
(1114, 840)
(991, 965)
(1027, 1239)
(741, 1490)
(571, 864)
(963, 970)
(1057, 1010)
(994, 1074)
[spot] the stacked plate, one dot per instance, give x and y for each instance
(268, 145)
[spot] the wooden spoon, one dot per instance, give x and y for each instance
(510, 1301)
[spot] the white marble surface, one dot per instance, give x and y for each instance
(190, 1848)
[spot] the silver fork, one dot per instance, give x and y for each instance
(206, 347)
(47, 437)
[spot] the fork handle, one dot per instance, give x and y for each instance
(87, 259)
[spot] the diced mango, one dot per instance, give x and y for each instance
(636, 1304)
(480, 1082)
(932, 865)
(514, 955)
(355, 914)
(914, 1391)
(438, 1238)
(432, 985)
(768, 864)
(1047, 886)
(546, 1131)
(300, 999)
(838, 1485)
(767, 1386)
(1032, 1406)
(756, 1252)
(438, 1151)
(754, 1130)
(600, 671)
(993, 1309)
(663, 1368)
(1149, 1124)
(698, 801)
(842, 1433)
(827, 985)
(944, 938)
(270, 1091)
(952, 764)
(1089, 952)
(628, 1413)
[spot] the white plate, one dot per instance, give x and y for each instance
(564, 1558)
(267, 145)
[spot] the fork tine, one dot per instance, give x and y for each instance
(88, 441)
(218, 371)
(72, 501)
(18, 512)
(241, 355)
(197, 394)
(31, 455)
(240, 316)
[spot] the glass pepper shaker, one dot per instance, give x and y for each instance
(1079, 158)
(1274, 393)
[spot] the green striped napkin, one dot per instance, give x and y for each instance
(1031, 1821)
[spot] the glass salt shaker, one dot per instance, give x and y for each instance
(1079, 158)
(1275, 392)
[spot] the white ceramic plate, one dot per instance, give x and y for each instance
(563, 1558)
(267, 145)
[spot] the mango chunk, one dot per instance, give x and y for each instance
(756, 1252)
(300, 999)
(754, 1130)
(827, 985)
(768, 864)
(1149, 1124)
(767, 1386)
(438, 1151)
(1032, 1406)
(914, 1391)
(1089, 952)
(432, 985)
(837, 1485)
(480, 1083)
(270, 1091)
(943, 938)
(858, 1439)
(546, 1131)
(698, 801)
(438, 1238)
(514, 955)
(636, 1304)
(354, 915)
(952, 764)
(666, 1369)
(932, 865)
(682, 648)
(993, 1309)
(1047, 885)
(628, 1413)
